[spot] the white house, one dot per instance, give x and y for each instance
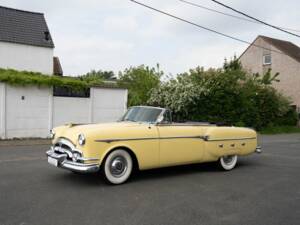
(25, 41)
(31, 111)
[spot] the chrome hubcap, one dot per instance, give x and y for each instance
(228, 159)
(118, 166)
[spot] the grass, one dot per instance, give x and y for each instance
(280, 130)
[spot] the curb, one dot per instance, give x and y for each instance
(25, 142)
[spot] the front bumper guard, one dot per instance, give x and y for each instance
(258, 149)
(63, 162)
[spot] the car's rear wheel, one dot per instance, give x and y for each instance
(117, 167)
(228, 162)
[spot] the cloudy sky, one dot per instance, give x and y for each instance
(115, 34)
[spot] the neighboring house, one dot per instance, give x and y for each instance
(280, 56)
(26, 42)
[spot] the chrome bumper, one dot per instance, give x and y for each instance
(63, 162)
(258, 149)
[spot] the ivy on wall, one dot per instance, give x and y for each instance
(25, 78)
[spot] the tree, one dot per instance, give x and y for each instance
(96, 77)
(139, 81)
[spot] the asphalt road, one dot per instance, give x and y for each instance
(263, 189)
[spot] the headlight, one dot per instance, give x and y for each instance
(76, 156)
(81, 139)
(52, 134)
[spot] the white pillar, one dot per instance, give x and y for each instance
(2, 110)
(125, 100)
(50, 123)
(91, 105)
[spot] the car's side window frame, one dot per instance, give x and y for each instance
(167, 117)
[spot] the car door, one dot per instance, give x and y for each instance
(180, 144)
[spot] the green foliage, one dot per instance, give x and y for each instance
(280, 130)
(97, 77)
(139, 81)
(24, 78)
(227, 95)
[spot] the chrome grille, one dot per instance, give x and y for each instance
(64, 146)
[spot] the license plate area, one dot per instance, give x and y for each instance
(52, 161)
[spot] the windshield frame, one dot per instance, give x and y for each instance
(159, 117)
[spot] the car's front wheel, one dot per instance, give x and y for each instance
(117, 167)
(228, 162)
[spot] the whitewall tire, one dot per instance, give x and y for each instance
(117, 167)
(228, 162)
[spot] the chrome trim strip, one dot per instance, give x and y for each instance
(205, 138)
(87, 159)
(231, 139)
(150, 138)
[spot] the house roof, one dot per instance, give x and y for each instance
(24, 27)
(286, 47)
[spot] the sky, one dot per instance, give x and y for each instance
(117, 34)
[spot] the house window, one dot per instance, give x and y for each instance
(267, 59)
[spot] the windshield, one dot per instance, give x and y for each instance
(142, 114)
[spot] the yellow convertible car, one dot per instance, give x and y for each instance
(145, 138)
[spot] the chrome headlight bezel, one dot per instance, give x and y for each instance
(81, 139)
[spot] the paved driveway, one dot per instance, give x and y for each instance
(263, 189)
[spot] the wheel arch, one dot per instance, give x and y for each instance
(127, 149)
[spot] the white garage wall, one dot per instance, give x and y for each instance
(26, 57)
(28, 117)
(108, 104)
(70, 110)
(27, 112)
(2, 110)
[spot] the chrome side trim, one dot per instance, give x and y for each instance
(205, 138)
(231, 139)
(150, 138)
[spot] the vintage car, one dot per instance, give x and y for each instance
(145, 138)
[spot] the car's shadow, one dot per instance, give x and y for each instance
(69, 178)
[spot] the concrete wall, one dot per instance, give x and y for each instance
(289, 69)
(2, 110)
(108, 105)
(70, 110)
(26, 57)
(27, 111)
(32, 111)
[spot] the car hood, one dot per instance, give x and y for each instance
(71, 131)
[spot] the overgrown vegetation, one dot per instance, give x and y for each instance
(24, 78)
(140, 81)
(227, 95)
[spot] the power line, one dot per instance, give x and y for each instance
(258, 20)
(205, 28)
(230, 15)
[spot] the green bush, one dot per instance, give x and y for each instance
(227, 95)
